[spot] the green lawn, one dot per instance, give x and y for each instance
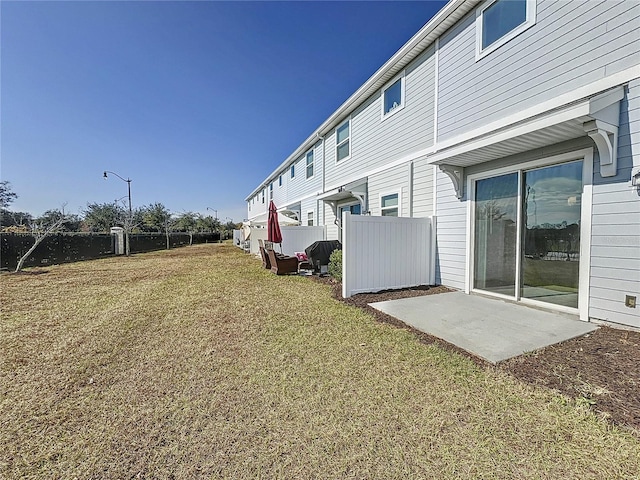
(196, 363)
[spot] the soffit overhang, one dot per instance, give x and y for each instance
(596, 116)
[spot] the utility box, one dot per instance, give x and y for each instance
(118, 240)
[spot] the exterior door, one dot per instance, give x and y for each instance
(527, 234)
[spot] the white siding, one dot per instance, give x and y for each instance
(451, 234)
(573, 43)
(395, 180)
(310, 204)
(615, 234)
(332, 230)
(376, 142)
(422, 189)
(385, 252)
(300, 185)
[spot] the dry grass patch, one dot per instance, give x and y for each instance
(197, 363)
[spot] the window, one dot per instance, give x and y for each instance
(393, 97)
(310, 164)
(310, 218)
(271, 191)
(389, 205)
(498, 21)
(263, 195)
(342, 141)
(280, 181)
(293, 170)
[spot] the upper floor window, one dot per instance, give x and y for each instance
(293, 170)
(271, 191)
(389, 205)
(343, 138)
(393, 97)
(310, 164)
(263, 195)
(280, 181)
(310, 218)
(498, 21)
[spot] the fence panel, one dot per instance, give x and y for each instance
(73, 247)
(57, 248)
(296, 239)
(380, 253)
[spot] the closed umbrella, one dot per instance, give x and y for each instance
(273, 227)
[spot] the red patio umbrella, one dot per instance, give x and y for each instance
(273, 227)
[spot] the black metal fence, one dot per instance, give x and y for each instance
(73, 247)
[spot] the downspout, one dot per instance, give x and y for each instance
(434, 208)
(410, 189)
(323, 179)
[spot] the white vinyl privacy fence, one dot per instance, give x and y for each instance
(380, 253)
(294, 239)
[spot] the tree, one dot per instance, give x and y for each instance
(187, 222)
(100, 217)
(158, 217)
(154, 216)
(6, 195)
(71, 221)
(19, 220)
(207, 224)
(41, 228)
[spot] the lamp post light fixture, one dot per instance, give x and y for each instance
(128, 180)
(214, 211)
(130, 220)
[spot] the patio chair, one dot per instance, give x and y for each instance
(266, 263)
(282, 264)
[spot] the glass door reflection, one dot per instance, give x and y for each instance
(551, 233)
(495, 234)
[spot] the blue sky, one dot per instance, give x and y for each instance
(196, 102)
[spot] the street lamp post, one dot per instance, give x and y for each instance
(214, 211)
(128, 226)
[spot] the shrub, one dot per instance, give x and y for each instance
(335, 265)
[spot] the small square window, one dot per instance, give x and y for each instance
(310, 164)
(389, 205)
(393, 97)
(342, 141)
(498, 21)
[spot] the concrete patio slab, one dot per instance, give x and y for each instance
(489, 328)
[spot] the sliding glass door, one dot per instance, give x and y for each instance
(495, 234)
(534, 255)
(551, 227)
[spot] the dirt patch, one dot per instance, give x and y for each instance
(600, 369)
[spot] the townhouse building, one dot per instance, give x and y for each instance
(515, 125)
